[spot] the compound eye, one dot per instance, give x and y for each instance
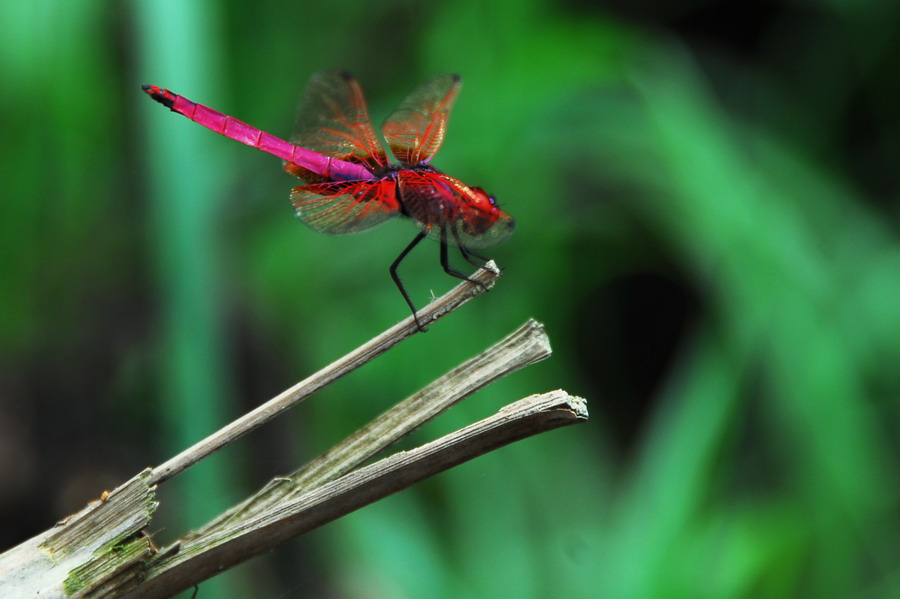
(482, 195)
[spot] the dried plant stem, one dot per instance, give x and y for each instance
(101, 552)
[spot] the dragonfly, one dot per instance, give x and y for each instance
(349, 184)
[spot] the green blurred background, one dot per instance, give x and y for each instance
(707, 225)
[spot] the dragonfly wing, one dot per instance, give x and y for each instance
(482, 230)
(415, 131)
(346, 206)
(332, 120)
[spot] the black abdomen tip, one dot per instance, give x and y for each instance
(163, 96)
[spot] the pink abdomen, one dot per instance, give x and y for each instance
(325, 166)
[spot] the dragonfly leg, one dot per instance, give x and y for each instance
(445, 262)
(466, 252)
(396, 277)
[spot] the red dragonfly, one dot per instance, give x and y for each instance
(349, 184)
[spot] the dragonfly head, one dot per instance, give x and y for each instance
(483, 219)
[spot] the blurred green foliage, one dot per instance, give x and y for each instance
(707, 225)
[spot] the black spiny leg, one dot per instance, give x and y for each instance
(466, 252)
(396, 278)
(445, 262)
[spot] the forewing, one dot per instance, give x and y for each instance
(415, 131)
(346, 206)
(332, 120)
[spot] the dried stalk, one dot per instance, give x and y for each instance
(101, 551)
